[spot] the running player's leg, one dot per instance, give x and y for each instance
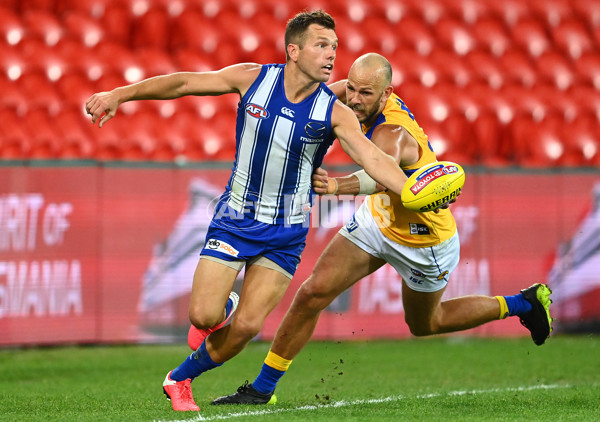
(425, 272)
(262, 290)
(340, 266)
(213, 281)
(426, 314)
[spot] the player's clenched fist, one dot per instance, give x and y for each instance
(322, 184)
(103, 106)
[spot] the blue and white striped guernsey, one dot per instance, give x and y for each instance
(278, 144)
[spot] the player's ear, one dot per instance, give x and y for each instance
(293, 50)
(388, 91)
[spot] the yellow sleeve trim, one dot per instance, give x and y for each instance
(277, 362)
(503, 307)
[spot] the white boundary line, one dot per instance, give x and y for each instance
(344, 403)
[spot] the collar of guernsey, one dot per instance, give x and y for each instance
(399, 224)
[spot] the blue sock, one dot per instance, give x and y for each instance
(266, 381)
(517, 305)
(195, 364)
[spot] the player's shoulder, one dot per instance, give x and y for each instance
(341, 112)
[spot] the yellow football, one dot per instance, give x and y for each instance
(432, 186)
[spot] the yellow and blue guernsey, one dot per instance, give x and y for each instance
(415, 229)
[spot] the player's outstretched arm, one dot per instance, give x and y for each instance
(357, 183)
(382, 167)
(236, 78)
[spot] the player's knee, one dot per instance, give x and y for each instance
(245, 329)
(202, 319)
(311, 297)
(420, 328)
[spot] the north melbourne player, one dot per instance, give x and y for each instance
(286, 120)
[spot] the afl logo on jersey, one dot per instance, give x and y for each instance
(315, 129)
(257, 111)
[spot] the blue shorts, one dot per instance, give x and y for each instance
(242, 238)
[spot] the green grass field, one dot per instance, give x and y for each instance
(412, 380)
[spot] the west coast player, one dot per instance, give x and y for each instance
(422, 247)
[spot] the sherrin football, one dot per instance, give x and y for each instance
(432, 186)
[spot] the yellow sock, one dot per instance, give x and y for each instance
(277, 362)
(503, 307)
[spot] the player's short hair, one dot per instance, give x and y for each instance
(295, 30)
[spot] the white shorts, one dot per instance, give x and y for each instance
(422, 269)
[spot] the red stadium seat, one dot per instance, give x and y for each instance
(485, 68)
(469, 11)
(45, 140)
(274, 36)
(450, 67)
(518, 68)
(353, 39)
(559, 103)
(76, 135)
(171, 144)
(431, 11)
(43, 25)
(588, 69)
(583, 142)
(12, 97)
(381, 37)
(15, 140)
(530, 35)
(121, 61)
(416, 35)
(74, 89)
(409, 67)
(553, 12)
(154, 61)
(588, 11)
(46, 5)
(12, 62)
(83, 28)
(397, 10)
(553, 68)
(11, 27)
(491, 117)
(510, 11)
(40, 93)
(192, 60)
(151, 29)
(572, 37)
(454, 34)
(491, 36)
(588, 100)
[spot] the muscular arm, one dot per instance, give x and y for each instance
(339, 89)
(382, 167)
(232, 79)
(393, 140)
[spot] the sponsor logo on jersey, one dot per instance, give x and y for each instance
(442, 275)
(311, 141)
(257, 111)
(416, 228)
(430, 175)
(315, 129)
(287, 112)
(219, 245)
